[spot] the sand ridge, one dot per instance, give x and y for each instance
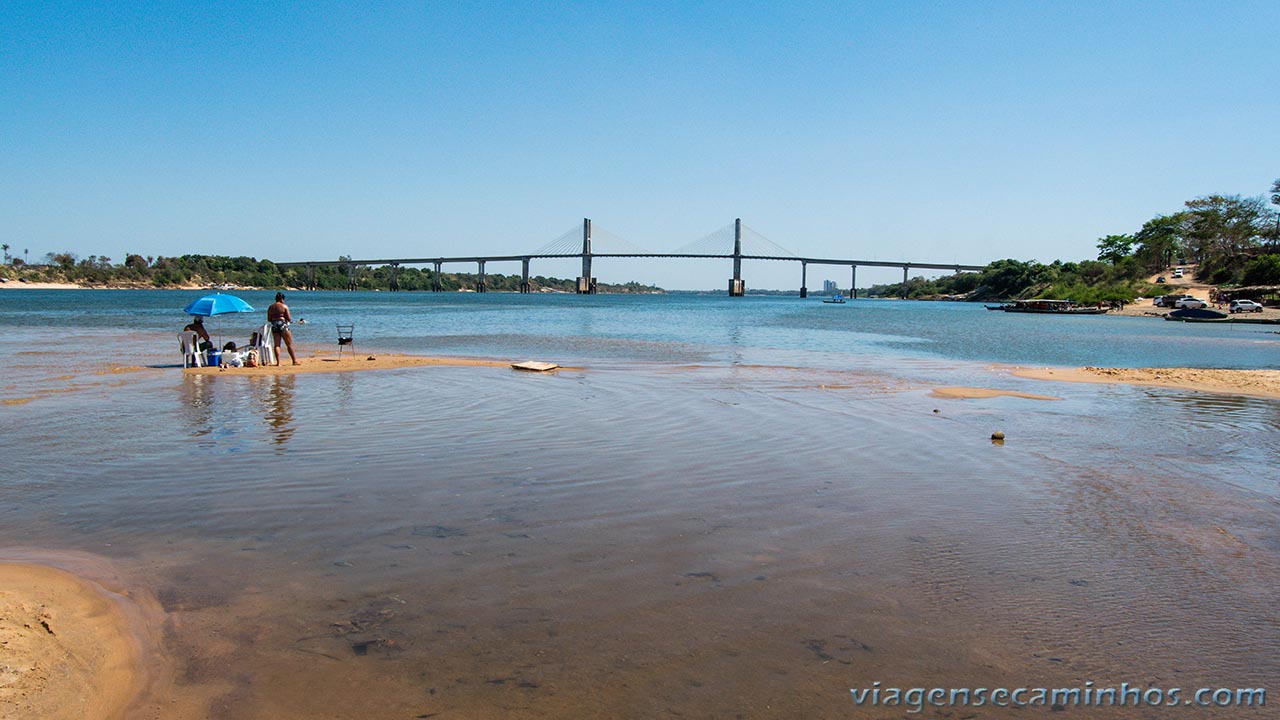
(971, 393)
(69, 647)
(1255, 383)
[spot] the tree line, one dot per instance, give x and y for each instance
(1235, 241)
(207, 270)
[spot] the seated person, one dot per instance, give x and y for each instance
(197, 326)
(229, 347)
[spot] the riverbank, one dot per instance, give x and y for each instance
(1254, 383)
(16, 285)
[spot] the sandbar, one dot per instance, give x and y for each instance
(1253, 383)
(347, 363)
(970, 393)
(68, 647)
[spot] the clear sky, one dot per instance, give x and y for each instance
(945, 132)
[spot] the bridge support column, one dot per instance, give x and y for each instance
(351, 277)
(524, 275)
(395, 272)
(736, 287)
(480, 281)
(586, 283)
(311, 277)
(905, 268)
(804, 273)
(853, 283)
(436, 284)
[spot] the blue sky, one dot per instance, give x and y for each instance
(945, 132)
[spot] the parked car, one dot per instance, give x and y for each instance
(1238, 306)
(1160, 279)
(1168, 300)
(1190, 302)
(1177, 273)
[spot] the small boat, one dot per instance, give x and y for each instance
(836, 299)
(1196, 315)
(1050, 307)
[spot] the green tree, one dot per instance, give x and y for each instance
(1114, 248)
(64, 260)
(1158, 240)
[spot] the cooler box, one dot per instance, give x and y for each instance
(214, 357)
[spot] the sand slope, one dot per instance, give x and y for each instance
(67, 647)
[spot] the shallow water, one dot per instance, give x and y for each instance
(731, 510)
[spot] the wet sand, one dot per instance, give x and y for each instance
(69, 648)
(346, 363)
(973, 393)
(1252, 383)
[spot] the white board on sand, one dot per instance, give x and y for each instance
(535, 366)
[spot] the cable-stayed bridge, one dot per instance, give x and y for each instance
(735, 242)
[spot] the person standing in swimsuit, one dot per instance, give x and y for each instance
(279, 317)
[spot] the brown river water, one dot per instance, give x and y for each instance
(646, 540)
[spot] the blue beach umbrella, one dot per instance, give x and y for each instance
(217, 304)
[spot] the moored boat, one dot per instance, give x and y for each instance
(1050, 307)
(836, 299)
(1196, 315)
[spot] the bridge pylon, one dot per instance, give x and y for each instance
(586, 283)
(736, 287)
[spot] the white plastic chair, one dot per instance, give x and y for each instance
(265, 346)
(189, 344)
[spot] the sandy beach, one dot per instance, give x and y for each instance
(15, 285)
(69, 648)
(1254, 383)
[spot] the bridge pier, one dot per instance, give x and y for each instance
(586, 283)
(436, 284)
(905, 268)
(736, 286)
(804, 273)
(480, 281)
(395, 282)
(311, 277)
(351, 277)
(524, 275)
(853, 283)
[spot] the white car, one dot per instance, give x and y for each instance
(1190, 302)
(1238, 306)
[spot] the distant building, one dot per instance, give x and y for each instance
(829, 287)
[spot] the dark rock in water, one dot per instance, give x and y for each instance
(438, 531)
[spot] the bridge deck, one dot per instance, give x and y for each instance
(521, 258)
